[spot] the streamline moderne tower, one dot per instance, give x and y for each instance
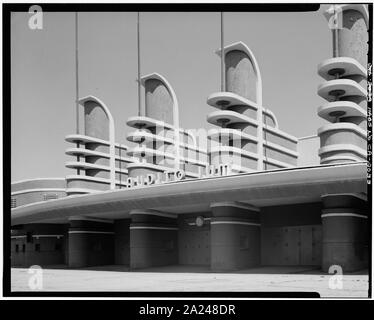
(162, 144)
(344, 216)
(101, 162)
(249, 136)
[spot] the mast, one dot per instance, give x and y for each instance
(335, 33)
(222, 57)
(76, 74)
(138, 52)
(77, 84)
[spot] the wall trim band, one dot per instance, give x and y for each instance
(327, 215)
(99, 232)
(237, 222)
(152, 228)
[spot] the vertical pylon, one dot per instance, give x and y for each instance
(344, 138)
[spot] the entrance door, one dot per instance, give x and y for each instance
(291, 246)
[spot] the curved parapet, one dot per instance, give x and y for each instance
(99, 158)
(29, 191)
(330, 111)
(341, 88)
(347, 67)
(344, 139)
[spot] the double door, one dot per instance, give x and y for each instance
(291, 245)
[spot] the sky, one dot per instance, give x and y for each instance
(178, 45)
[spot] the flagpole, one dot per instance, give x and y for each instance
(222, 57)
(77, 84)
(138, 53)
(76, 74)
(335, 33)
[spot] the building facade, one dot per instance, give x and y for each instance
(243, 194)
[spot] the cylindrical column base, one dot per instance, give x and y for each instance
(235, 237)
(153, 239)
(344, 233)
(91, 243)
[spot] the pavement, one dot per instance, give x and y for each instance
(193, 278)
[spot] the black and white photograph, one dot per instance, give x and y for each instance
(187, 150)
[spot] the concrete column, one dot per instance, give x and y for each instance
(344, 232)
(91, 243)
(153, 239)
(344, 140)
(235, 236)
(240, 75)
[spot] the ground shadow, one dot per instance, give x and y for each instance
(307, 270)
